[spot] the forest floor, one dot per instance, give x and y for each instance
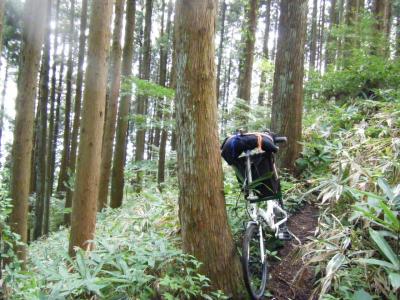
(286, 281)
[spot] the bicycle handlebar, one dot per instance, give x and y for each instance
(280, 139)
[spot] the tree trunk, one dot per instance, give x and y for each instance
(398, 36)
(276, 23)
(287, 105)
(77, 105)
(166, 117)
(63, 175)
(3, 96)
(41, 135)
(263, 79)
(332, 42)
(2, 9)
(117, 181)
(32, 40)
(382, 13)
(203, 217)
(221, 47)
(84, 201)
(111, 116)
(247, 56)
(141, 108)
(313, 40)
(321, 37)
(52, 118)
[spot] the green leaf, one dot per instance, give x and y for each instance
(377, 262)
(361, 295)
(385, 247)
(394, 279)
(385, 188)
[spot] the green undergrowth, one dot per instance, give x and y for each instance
(137, 256)
(351, 158)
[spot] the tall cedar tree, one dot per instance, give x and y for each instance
(41, 135)
(63, 175)
(263, 78)
(77, 105)
(202, 213)
(84, 201)
(163, 78)
(313, 40)
(55, 99)
(287, 105)
(2, 8)
(247, 56)
(112, 105)
(332, 41)
(382, 11)
(221, 46)
(141, 108)
(117, 180)
(32, 40)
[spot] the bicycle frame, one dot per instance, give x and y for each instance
(258, 214)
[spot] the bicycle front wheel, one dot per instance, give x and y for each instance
(254, 262)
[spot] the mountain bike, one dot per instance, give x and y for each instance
(255, 168)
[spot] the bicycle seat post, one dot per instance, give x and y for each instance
(249, 176)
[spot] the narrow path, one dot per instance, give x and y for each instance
(283, 273)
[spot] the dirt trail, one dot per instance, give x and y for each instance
(281, 285)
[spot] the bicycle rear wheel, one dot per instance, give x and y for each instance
(254, 270)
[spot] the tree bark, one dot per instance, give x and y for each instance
(63, 175)
(332, 42)
(54, 109)
(84, 201)
(247, 57)
(382, 12)
(32, 39)
(321, 37)
(41, 135)
(263, 79)
(117, 180)
(313, 40)
(112, 107)
(203, 217)
(287, 105)
(77, 105)
(221, 47)
(167, 116)
(2, 8)
(142, 101)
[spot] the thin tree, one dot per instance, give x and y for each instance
(32, 38)
(54, 110)
(2, 9)
(332, 41)
(247, 56)
(63, 175)
(77, 105)
(84, 201)
(263, 79)
(117, 180)
(382, 11)
(202, 213)
(287, 105)
(112, 105)
(221, 47)
(142, 101)
(166, 117)
(313, 40)
(41, 135)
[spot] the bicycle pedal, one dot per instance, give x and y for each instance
(284, 235)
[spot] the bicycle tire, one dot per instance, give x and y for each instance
(249, 263)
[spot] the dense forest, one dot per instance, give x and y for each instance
(112, 115)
